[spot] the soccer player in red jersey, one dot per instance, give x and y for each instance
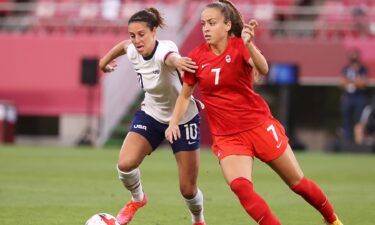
(241, 123)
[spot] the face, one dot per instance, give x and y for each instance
(214, 27)
(142, 37)
(354, 57)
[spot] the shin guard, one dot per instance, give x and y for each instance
(309, 191)
(254, 205)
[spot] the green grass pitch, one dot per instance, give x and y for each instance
(65, 186)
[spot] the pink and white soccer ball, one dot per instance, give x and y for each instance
(102, 219)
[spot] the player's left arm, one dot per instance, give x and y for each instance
(257, 60)
(181, 63)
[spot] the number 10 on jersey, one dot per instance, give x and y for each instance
(191, 131)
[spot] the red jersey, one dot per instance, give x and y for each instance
(226, 85)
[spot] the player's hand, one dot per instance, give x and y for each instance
(172, 133)
(248, 31)
(186, 64)
(109, 67)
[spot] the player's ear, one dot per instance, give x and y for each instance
(228, 26)
(153, 30)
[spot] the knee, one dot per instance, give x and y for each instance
(127, 165)
(300, 185)
(241, 186)
(188, 191)
(295, 180)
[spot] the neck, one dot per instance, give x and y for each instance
(219, 47)
(150, 51)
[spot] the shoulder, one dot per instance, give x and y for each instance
(236, 41)
(164, 48)
(199, 50)
(167, 44)
(126, 44)
(236, 45)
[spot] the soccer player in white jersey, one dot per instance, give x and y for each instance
(157, 64)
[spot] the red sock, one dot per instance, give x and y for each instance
(315, 196)
(254, 205)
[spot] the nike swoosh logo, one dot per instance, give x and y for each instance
(191, 142)
(279, 145)
(204, 65)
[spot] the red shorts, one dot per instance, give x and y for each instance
(266, 142)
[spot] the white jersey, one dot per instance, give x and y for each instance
(161, 83)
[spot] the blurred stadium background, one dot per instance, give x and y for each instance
(52, 94)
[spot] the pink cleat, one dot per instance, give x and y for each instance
(202, 223)
(127, 213)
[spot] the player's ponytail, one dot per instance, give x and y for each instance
(159, 20)
(236, 18)
(150, 16)
(230, 13)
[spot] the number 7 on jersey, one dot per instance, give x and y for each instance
(217, 74)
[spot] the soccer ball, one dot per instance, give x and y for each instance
(102, 219)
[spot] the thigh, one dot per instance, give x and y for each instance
(227, 145)
(188, 167)
(234, 166)
(134, 149)
(148, 127)
(287, 167)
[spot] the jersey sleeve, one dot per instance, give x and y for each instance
(166, 48)
(188, 77)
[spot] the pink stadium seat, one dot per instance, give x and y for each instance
(284, 2)
(4, 12)
(128, 8)
(331, 21)
(54, 16)
(338, 19)
(358, 2)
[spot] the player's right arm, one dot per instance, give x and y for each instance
(108, 63)
(172, 133)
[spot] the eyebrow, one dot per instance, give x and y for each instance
(210, 20)
(137, 32)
